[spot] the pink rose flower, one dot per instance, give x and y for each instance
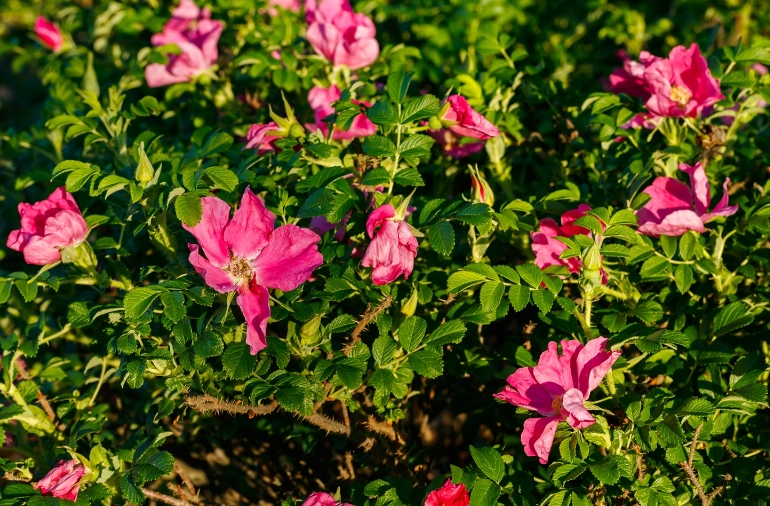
(451, 144)
(448, 495)
(322, 499)
(682, 84)
(288, 5)
(460, 118)
(759, 68)
(674, 208)
(63, 481)
(246, 254)
(49, 33)
(630, 79)
(393, 248)
(556, 388)
(340, 35)
(262, 137)
(196, 35)
(547, 248)
(48, 227)
(321, 100)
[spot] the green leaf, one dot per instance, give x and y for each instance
(615, 250)
(519, 296)
(452, 331)
(216, 143)
(489, 461)
(238, 362)
(319, 203)
(416, 146)
(427, 363)
(442, 237)
(411, 332)
(377, 145)
(131, 492)
(477, 214)
(421, 107)
(409, 177)
(653, 266)
(687, 244)
(485, 493)
(609, 470)
(491, 294)
(543, 299)
(174, 308)
(668, 244)
(463, 280)
(531, 274)
(696, 407)
(732, 317)
(375, 177)
(27, 289)
(683, 277)
(189, 209)
(398, 85)
(157, 466)
(621, 232)
(223, 178)
(139, 300)
(383, 113)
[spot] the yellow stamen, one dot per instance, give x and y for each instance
(680, 95)
(240, 268)
(557, 403)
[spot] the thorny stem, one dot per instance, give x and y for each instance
(687, 466)
(165, 499)
(366, 319)
(49, 412)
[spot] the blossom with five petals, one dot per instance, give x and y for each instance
(674, 208)
(557, 388)
(245, 254)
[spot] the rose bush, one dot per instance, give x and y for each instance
(431, 253)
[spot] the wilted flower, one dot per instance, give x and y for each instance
(48, 227)
(321, 100)
(682, 84)
(246, 254)
(674, 208)
(557, 388)
(458, 116)
(340, 35)
(63, 481)
(454, 145)
(49, 33)
(393, 247)
(196, 35)
(322, 499)
(448, 495)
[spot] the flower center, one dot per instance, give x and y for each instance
(680, 95)
(557, 403)
(240, 268)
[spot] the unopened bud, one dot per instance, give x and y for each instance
(481, 190)
(592, 258)
(310, 330)
(296, 130)
(410, 306)
(435, 123)
(144, 171)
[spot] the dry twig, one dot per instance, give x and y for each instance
(207, 403)
(687, 466)
(366, 319)
(165, 499)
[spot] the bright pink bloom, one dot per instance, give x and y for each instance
(48, 227)
(547, 248)
(49, 33)
(452, 145)
(340, 35)
(630, 79)
(759, 68)
(556, 388)
(674, 208)
(460, 118)
(262, 137)
(63, 481)
(288, 5)
(321, 100)
(322, 499)
(393, 248)
(448, 495)
(682, 84)
(244, 253)
(196, 35)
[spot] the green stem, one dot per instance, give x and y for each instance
(99, 384)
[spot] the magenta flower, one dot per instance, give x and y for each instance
(63, 481)
(393, 248)
(196, 35)
(458, 115)
(263, 137)
(682, 84)
(322, 499)
(320, 225)
(556, 388)
(674, 208)
(321, 100)
(49, 33)
(448, 495)
(453, 146)
(245, 254)
(48, 227)
(340, 35)
(630, 79)
(547, 248)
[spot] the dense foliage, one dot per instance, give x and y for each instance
(389, 253)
